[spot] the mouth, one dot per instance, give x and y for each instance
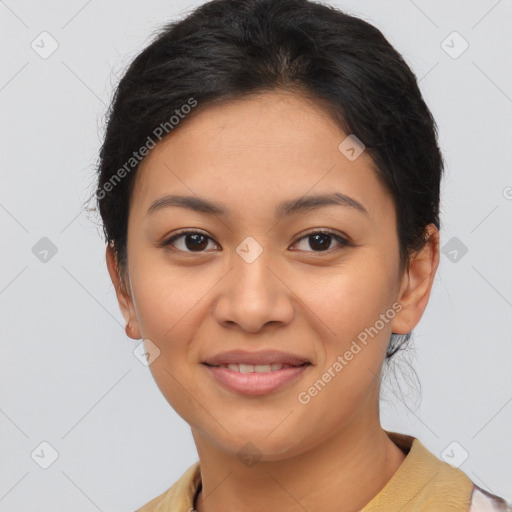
(256, 368)
(261, 358)
(257, 373)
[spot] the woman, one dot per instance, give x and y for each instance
(269, 187)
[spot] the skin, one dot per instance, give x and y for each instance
(250, 154)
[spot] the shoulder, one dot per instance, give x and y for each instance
(180, 496)
(425, 482)
(483, 501)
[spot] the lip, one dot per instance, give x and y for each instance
(256, 383)
(259, 357)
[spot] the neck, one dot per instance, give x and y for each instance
(341, 474)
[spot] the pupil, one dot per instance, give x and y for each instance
(321, 245)
(196, 245)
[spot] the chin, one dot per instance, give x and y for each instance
(260, 444)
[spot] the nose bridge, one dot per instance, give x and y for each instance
(252, 296)
(251, 277)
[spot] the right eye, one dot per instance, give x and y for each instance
(189, 241)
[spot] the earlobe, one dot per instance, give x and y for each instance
(417, 283)
(123, 296)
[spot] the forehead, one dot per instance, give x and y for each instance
(276, 121)
(255, 151)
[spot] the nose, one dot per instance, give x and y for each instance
(254, 295)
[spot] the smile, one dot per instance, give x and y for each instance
(255, 368)
(256, 380)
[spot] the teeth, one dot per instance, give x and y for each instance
(246, 368)
(254, 368)
(262, 368)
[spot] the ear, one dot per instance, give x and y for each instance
(417, 283)
(123, 296)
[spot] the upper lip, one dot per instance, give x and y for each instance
(260, 357)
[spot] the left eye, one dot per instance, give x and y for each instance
(320, 241)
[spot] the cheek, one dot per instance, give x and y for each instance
(164, 297)
(168, 319)
(352, 299)
(169, 307)
(347, 378)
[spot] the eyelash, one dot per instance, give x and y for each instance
(343, 242)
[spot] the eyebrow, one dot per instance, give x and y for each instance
(283, 209)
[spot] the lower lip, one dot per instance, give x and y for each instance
(256, 383)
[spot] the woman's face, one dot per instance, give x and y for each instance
(251, 276)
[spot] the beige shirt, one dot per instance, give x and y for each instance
(422, 483)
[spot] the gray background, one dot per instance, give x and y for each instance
(68, 375)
